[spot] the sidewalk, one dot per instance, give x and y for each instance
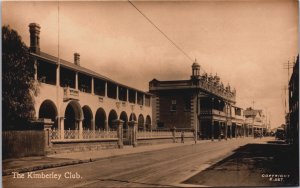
(27, 164)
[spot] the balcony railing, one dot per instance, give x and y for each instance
(209, 86)
(217, 90)
(213, 112)
(70, 93)
(217, 112)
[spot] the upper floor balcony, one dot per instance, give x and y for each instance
(213, 112)
(208, 86)
(81, 81)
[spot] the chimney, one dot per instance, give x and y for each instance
(34, 30)
(77, 59)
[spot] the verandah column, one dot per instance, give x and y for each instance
(62, 127)
(212, 122)
(212, 130)
(80, 129)
(219, 131)
(235, 130)
(226, 130)
(106, 125)
(92, 86)
(93, 127)
(76, 81)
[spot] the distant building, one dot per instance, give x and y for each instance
(255, 119)
(293, 124)
(201, 103)
(76, 98)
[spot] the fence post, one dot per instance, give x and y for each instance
(45, 125)
(133, 129)
(119, 124)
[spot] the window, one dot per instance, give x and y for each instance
(160, 124)
(173, 105)
(187, 104)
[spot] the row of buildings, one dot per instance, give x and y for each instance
(75, 98)
(203, 103)
(292, 117)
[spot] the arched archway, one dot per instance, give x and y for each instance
(87, 117)
(48, 110)
(124, 117)
(111, 117)
(148, 122)
(73, 114)
(132, 117)
(100, 119)
(141, 122)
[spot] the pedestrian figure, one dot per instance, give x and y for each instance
(182, 137)
(195, 136)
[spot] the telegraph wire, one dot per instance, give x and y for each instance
(165, 35)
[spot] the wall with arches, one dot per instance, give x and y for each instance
(92, 111)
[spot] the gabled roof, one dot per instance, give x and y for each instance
(252, 112)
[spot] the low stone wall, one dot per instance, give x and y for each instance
(16, 144)
(67, 146)
(163, 140)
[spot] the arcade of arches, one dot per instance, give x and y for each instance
(76, 116)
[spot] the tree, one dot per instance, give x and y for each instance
(18, 85)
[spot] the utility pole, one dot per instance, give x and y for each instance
(59, 118)
(287, 66)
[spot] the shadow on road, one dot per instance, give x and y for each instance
(277, 142)
(271, 164)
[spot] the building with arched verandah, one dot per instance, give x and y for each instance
(76, 98)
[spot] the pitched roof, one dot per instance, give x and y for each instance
(252, 112)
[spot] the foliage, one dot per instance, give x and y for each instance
(18, 86)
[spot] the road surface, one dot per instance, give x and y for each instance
(167, 167)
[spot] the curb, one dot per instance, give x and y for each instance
(8, 172)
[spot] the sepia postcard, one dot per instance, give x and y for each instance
(138, 93)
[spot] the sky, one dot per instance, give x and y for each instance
(246, 43)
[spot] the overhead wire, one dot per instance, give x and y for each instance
(164, 34)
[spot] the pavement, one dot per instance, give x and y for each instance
(273, 163)
(28, 164)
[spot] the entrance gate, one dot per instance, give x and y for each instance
(127, 137)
